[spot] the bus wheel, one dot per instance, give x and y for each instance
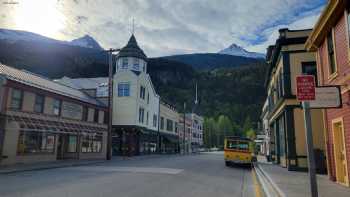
(227, 163)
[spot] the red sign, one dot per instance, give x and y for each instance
(305, 87)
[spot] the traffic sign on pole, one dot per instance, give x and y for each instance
(306, 93)
(305, 87)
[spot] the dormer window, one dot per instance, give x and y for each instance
(136, 64)
(125, 63)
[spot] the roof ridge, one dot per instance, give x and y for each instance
(24, 79)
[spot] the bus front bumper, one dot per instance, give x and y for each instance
(238, 161)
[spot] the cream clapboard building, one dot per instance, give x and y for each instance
(142, 124)
(135, 103)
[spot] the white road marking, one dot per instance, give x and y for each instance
(133, 169)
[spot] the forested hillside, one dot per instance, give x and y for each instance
(227, 86)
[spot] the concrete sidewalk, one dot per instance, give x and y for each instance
(69, 163)
(296, 184)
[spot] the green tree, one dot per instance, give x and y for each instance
(251, 134)
(247, 125)
(224, 129)
(210, 132)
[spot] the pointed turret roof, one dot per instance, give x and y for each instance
(132, 49)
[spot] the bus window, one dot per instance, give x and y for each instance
(231, 145)
(243, 146)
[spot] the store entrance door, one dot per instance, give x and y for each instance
(60, 147)
(340, 153)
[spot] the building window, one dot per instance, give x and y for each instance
(141, 114)
(124, 63)
(154, 120)
(176, 127)
(162, 123)
(85, 113)
(309, 68)
(147, 98)
(96, 115)
(123, 89)
(39, 103)
(35, 142)
(331, 55)
(72, 144)
(169, 125)
(142, 92)
(16, 99)
(105, 117)
(91, 143)
(144, 67)
(147, 118)
(349, 24)
(136, 64)
(57, 107)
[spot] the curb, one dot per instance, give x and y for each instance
(58, 165)
(270, 188)
(38, 168)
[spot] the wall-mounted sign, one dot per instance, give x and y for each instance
(327, 97)
(305, 87)
(72, 110)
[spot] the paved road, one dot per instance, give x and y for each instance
(201, 175)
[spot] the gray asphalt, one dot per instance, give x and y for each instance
(203, 175)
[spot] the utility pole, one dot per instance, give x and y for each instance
(310, 149)
(184, 137)
(110, 103)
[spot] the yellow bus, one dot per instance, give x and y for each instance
(237, 151)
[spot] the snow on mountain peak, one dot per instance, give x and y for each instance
(87, 42)
(237, 50)
(18, 35)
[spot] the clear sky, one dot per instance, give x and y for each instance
(163, 27)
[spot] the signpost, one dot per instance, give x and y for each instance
(306, 92)
(327, 97)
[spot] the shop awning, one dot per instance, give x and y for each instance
(173, 138)
(148, 132)
(27, 123)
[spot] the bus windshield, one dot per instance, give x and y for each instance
(237, 145)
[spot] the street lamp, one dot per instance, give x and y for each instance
(110, 102)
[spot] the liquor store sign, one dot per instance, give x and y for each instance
(305, 88)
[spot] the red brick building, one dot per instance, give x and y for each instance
(331, 42)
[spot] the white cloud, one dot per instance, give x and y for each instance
(166, 27)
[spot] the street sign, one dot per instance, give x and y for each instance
(305, 87)
(327, 97)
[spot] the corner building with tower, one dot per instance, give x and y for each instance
(135, 103)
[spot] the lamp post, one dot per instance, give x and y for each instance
(110, 102)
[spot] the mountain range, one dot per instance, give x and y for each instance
(18, 35)
(229, 85)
